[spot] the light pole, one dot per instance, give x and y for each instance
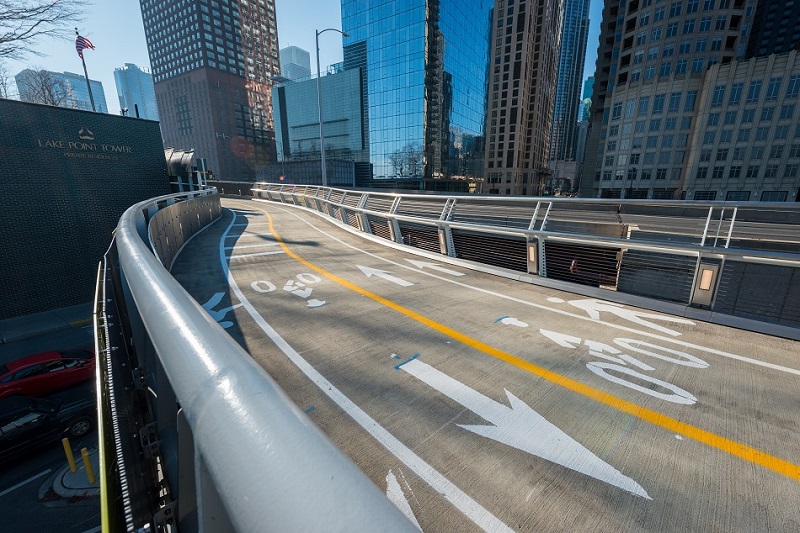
(319, 107)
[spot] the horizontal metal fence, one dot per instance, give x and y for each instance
(732, 259)
(178, 450)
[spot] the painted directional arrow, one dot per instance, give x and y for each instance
(369, 272)
(521, 427)
(434, 266)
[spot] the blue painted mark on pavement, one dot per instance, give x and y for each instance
(407, 361)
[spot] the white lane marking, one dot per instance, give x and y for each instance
(511, 321)
(266, 236)
(522, 428)
(395, 494)
(247, 224)
(462, 501)
(650, 334)
(369, 272)
(260, 245)
(434, 266)
(25, 482)
(240, 256)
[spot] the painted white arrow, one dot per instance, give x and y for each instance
(521, 427)
(219, 315)
(434, 266)
(395, 493)
(369, 272)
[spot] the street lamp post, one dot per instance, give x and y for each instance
(319, 107)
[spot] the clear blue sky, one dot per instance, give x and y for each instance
(115, 28)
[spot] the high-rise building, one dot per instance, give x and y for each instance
(524, 68)
(574, 34)
(295, 63)
(747, 138)
(135, 91)
(425, 65)
(775, 28)
(66, 88)
(652, 59)
(213, 62)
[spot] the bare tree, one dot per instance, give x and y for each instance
(24, 22)
(398, 161)
(413, 155)
(5, 82)
(41, 87)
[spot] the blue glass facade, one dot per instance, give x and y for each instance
(426, 66)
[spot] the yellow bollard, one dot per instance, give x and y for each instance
(87, 464)
(70, 457)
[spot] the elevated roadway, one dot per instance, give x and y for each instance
(477, 402)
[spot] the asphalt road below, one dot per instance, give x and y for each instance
(477, 402)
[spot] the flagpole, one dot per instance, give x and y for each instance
(86, 74)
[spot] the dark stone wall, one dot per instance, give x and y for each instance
(66, 177)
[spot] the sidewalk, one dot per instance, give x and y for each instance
(24, 327)
(69, 484)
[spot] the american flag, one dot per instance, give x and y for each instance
(81, 43)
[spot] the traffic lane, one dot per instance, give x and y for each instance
(684, 361)
(27, 499)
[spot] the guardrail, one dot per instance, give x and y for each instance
(733, 263)
(194, 434)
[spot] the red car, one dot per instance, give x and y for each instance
(43, 373)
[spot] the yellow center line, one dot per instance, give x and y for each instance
(732, 447)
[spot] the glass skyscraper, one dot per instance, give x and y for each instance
(135, 91)
(69, 88)
(574, 34)
(426, 66)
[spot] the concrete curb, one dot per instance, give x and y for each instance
(76, 484)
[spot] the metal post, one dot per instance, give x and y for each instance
(319, 107)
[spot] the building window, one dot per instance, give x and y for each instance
(705, 196)
(793, 88)
(730, 117)
(790, 171)
(674, 102)
(658, 103)
(748, 115)
(736, 93)
(666, 67)
(705, 24)
(675, 9)
(734, 172)
(713, 119)
(752, 171)
(649, 72)
(697, 65)
(681, 66)
(773, 196)
(762, 133)
(757, 152)
(771, 172)
(754, 91)
(743, 135)
(781, 132)
(720, 25)
(709, 137)
(672, 29)
(773, 88)
(686, 47)
(661, 174)
(700, 45)
(702, 173)
(767, 113)
(776, 151)
(737, 196)
(787, 111)
(616, 111)
(688, 26)
(725, 136)
(705, 155)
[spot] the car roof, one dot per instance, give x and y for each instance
(32, 360)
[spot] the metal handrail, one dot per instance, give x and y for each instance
(261, 455)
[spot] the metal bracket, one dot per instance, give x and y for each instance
(148, 438)
(166, 515)
(138, 378)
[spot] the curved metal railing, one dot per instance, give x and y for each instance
(203, 438)
(732, 263)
